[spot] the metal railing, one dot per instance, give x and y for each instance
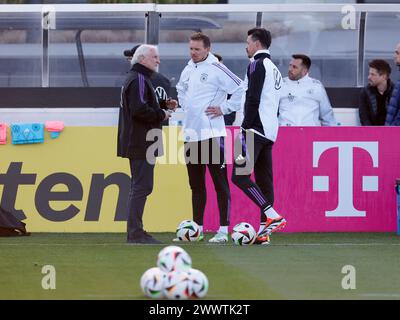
(153, 19)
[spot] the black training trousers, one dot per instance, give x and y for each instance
(254, 154)
(142, 177)
(199, 155)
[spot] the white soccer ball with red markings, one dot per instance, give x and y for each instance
(174, 258)
(152, 283)
(243, 234)
(169, 248)
(177, 285)
(188, 230)
(199, 283)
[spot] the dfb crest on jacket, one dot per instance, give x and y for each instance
(203, 77)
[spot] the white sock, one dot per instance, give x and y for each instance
(201, 229)
(271, 213)
(223, 229)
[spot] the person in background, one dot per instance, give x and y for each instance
(374, 98)
(393, 110)
(304, 101)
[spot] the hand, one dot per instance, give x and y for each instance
(172, 104)
(214, 112)
(167, 114)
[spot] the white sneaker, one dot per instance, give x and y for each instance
(219, 238)
(273, 225)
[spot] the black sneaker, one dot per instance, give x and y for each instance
(142, 237)
(146, 235)
(150, 238)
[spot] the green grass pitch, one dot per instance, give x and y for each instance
(293, 266)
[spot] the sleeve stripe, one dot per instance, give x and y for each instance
(141, 87)
(253, 66)
(229, 73)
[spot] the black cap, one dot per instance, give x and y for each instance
(131, 52)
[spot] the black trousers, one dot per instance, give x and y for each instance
(142, 177)
(199, 155)
(254, 154)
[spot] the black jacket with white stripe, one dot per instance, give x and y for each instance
(139, 113)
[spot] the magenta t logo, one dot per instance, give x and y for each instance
(345, 206)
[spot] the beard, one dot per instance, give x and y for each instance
(248, 54)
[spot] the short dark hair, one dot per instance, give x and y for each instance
(381, 66)
(198, 36)
(262, 35)
(305, 60)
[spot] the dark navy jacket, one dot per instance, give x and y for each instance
(139, 113)
(393, 112)
(368, 105)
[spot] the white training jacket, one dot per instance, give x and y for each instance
(304, 102)
(263, 83)
(205, 84)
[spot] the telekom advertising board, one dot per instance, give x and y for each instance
(330, 179)
(338, 179)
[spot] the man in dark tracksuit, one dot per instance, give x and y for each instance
(140, 112)
(161, 84)
(375, 97)
(259, 131)
(393, 110)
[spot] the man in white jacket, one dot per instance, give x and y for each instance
(202, 93)
(304, 101)
(259, 131)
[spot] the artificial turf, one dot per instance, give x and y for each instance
(293, 266)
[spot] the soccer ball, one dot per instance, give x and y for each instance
(177, 285)
(188, 230)
(243, 234)
(169, 248)
(199, 283)
(174, 258)
(152, 283)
